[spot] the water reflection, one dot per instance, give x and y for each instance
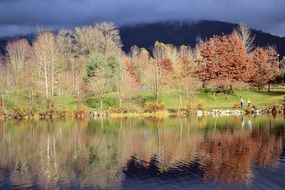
(154, 153)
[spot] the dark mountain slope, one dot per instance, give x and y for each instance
(177, 33)
(145, 35)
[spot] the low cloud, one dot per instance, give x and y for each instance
(23, 16)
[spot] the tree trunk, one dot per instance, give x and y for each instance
(120, 102)
(187, 97)
(73, 78)
(180, 97)
(7, 77)
(156, 91)
(269, 87)
(52, 80)
(130, 102)
(31, 97)
(101, 103)
(46, 79)
(156, 83)
(3, 102)
(231, 88)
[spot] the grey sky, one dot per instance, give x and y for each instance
(23, 16)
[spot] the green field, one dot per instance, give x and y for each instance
(169, 99)
(221, 100)
(208, 99)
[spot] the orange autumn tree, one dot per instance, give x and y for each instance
(140, 59)
(226, 62)
(126, 80)
(266, 65)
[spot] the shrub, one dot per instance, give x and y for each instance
(276, 108)
(130, 109)
(153, 107)
(2, 108)
(81, 111)
(148, 99)
(191, 105)
(116, 110)
(20, 113)
(200, 104)
(2, 113)
(236, 105)
(65, 113)
(108, 102)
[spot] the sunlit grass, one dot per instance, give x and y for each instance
(169, 99)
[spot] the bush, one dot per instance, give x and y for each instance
(236, 105)
(200, 104)
(276, 108)
(191, 105)
(131, 109)
(20, 113)
(108, 102)
(10, 105)
(116, 110)
(64, 113)
(81, 111)
(148, 99)
(2, 108)
(2, 113)
(153, 107)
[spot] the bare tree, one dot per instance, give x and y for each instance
(103, 39)
(72, 59)
(183, 75)
(47, 58)
(88, 40)
(246, 36)
(161, 67)
(4, 86)
(111, 42)
(18, 55)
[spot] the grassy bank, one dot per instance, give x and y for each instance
(257, 98)
(170, 100)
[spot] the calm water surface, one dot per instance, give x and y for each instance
(205, 153)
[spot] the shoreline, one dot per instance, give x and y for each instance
(219, 112)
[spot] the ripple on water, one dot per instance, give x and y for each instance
(129, 155)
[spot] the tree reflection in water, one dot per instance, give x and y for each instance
(82, 154)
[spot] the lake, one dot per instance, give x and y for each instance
(146, 153)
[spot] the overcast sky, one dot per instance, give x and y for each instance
(24, 16)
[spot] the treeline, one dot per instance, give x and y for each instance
(89, 61)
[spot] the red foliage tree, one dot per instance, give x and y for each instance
(226, 62)
(165, 66)
(131, 72)
(265, 61)
(126, 80)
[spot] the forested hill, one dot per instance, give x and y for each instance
(144, 35)
(177, 33)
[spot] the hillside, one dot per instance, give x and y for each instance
(144, 35)
(177, 33)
